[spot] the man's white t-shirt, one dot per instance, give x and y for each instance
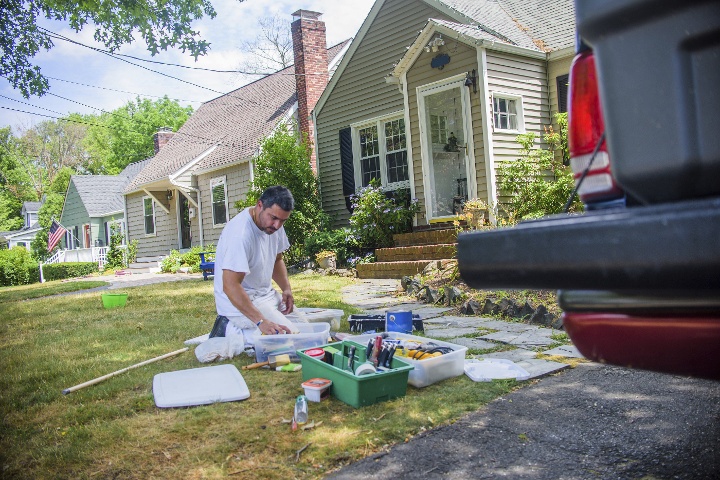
(244, 248)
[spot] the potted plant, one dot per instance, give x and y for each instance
(325, 259)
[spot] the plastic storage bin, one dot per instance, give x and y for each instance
(363, 323)
(357, 391)
(311, 335)
(314, 315)
(429, 370)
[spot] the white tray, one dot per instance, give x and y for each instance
(494, 368)
(199, 386)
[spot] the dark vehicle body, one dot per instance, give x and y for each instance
(638, 274)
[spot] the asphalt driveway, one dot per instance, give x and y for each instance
(593, 421)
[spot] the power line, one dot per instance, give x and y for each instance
(157, 62)
(205, 142)
(104, 52)
(123, 91)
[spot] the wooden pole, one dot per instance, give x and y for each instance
(105, 377)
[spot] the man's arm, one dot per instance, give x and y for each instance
(280, 276)
(238, 296)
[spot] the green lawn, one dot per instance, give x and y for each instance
(38, 290)
(114, 430)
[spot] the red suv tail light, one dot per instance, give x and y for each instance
(585, 130)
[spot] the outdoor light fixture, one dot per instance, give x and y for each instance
(471, 80)
(169, 195)
(435, 44)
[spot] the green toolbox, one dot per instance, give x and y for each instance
(368, 386)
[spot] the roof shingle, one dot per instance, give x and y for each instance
(235, 123)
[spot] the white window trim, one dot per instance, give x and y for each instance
(152, 202)
(214, 182)
(379, 123)
(519, 113)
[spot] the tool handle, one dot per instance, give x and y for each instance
(255, 365)
(123, 370)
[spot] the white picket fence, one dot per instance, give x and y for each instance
(94, 254)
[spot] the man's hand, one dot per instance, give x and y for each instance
(288, 301)
(270, 328)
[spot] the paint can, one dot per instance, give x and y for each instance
(318, 353)
(399, 322)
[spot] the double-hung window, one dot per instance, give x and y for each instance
(149, 214)
(218, 189)
(507, 113)
(381, 153)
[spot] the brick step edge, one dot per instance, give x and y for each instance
(426, 237)
(392, 269)
(416, 253)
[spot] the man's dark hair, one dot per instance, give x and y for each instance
(278, 195)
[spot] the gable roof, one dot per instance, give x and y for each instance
(103, 194)
(228, 128)
(31, 206)
(535, 25)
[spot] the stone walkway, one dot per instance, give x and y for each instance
(379, 296)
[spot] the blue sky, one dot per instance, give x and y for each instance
(236, 22)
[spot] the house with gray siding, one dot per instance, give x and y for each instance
(186, 193)
(432, 95)
(93, 203)
(24, 236)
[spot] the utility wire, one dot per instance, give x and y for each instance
(161, 73)
(205, 141)
(123, 91)
(157, 62)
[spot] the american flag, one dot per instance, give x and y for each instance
(55, 234)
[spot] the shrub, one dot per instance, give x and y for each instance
(17, 267)
(61, 271)
(377, 217)
(115, 253)
(538, 183)
(190, 259)
(338, 241)
(285, 161)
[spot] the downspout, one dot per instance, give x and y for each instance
(126, 228)
(487, 133)
(317, 155)
(200, 218)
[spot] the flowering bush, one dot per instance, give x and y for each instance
(355, 261)
(376, 217)
(324, 254)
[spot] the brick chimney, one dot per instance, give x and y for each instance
(311, 68)
(162, 137)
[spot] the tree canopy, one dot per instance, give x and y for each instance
(162, 24)
(125, 135)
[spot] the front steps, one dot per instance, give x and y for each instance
(411, 254)
(146, 265)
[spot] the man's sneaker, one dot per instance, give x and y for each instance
(218, 329)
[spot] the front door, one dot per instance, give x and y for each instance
(185, 232)
(445, 124)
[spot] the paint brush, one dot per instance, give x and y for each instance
(274, 361)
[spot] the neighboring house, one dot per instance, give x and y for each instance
(185, 195)
(24, 236)
(435, 112)
(93, 203)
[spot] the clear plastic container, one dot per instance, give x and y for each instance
(311, 335)
(429, 370)
(315, 315)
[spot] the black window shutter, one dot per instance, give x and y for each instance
(347, 165)
(562, 92)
